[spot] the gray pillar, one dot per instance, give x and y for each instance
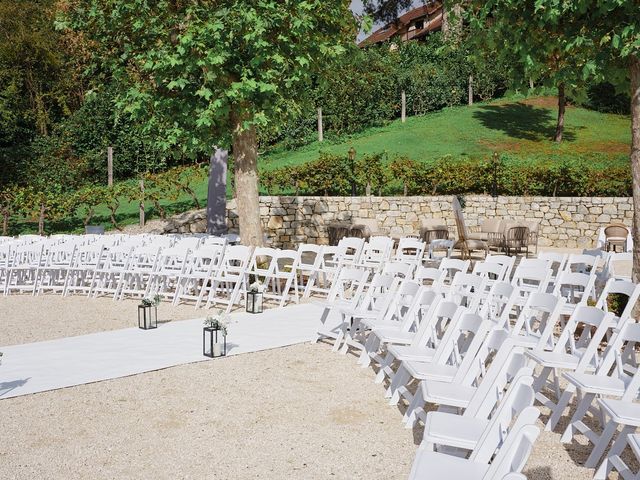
(217, 194)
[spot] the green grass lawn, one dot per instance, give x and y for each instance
(521, 127)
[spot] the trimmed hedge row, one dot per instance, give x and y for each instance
(501, 175)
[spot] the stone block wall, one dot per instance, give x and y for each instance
(564, 221)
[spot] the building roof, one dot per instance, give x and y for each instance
(393, 28)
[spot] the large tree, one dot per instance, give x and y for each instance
(540, 45)
(201, 73)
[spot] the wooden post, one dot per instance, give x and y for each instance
(110, 166)
(320, 132)
(141, 202)
(470, 89)
(404, 107)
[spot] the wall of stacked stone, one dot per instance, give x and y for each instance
(564, 221)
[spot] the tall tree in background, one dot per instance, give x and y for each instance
(541, 44)
(205, 73)
(387, 11)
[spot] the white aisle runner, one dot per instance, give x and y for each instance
(41, 366)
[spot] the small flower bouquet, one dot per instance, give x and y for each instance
(153, 301)
(219, 321)
(256, 287)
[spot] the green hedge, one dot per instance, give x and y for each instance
(335, 175)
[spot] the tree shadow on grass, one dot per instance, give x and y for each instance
(519, 120)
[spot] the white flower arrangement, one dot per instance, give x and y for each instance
(218, 321)
(151, 301)
(256, 287)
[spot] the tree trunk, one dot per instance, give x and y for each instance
(245, 154)
(445, 18)
(635, 161)
(562, 100)
(5, 223)
(41, 219)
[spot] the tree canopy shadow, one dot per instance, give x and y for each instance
(522, 121)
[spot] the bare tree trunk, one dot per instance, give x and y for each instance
(245, 154)
(41, 219)
(635, 161)
(562, 100)
(445, 18)
(447, 27)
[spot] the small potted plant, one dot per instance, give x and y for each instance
(148, 312)
(255, 297)
(212, 345)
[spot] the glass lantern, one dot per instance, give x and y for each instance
(147, 317)
(254, 302)
(211, 345)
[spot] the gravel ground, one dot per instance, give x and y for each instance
(26, 319)
(296, 412)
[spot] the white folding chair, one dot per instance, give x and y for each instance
(428, 276)
(82, 270)
(398, 269)
(576, 288)
(203, 265)
(581, 263)
(576, 351)
(535, 325)
(410, 250)
(229, 282)
(22, 273)
(53, 275)
(309, 268)
(451, 266)
(506, 260)
(135, 278)
(467, 290)
(515, 446)
(375, 252)
(171, 265)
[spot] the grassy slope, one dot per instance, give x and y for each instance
(521, 127)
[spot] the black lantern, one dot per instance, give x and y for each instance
(147, 316)
(211, 347)
(254, 302)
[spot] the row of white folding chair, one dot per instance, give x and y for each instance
(278, 272)
(193, 283)
(617, 376)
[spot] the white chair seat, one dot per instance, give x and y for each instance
(622, 412)
(445, 393)
(393, 335)
(598, 384)
(434, 465)
(555, 360)
(410, 352)
(454, 430)
(431, 371)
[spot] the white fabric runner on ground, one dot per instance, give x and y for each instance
(65, 362)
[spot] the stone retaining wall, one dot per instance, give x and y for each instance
(564, 221)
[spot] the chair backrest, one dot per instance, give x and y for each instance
(430, 276)
(619, 287)
(620, 359)
(619, 265)
(410, 250)
(467, 290)
(463, 233)
(349, 250)
(461, 339)
(451, 266)
(557, 261)
(263, 261)
(236, 259)
(532, 277)
(538, 319)
(581, 263)
(348, 284)
(515, 451)
(286, 262)
(576, 288)
(440, 316)
(380, 292)
(376, 251)
(205, 260)
(399, 269)
(617, 230)
(491, 225)
(310, 256)
(583, 334)
(507, 260)
(519, 397)
(492, 272)
(517, 236)
(499, 303)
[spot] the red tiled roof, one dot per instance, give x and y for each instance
(393, 28)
